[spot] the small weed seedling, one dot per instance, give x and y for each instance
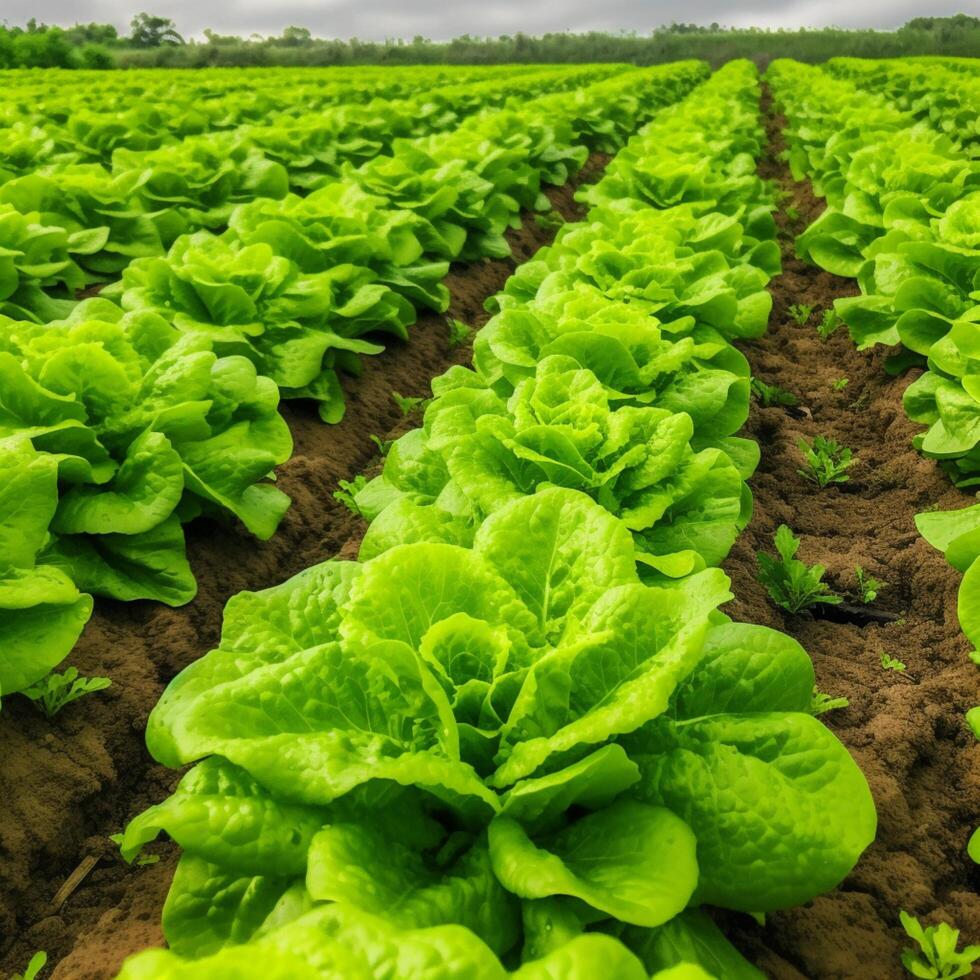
(406, 403)
(800, 312)
(769, 395)
(828, 324)
(792, 213)
(936, 957)
(34, 967)
(840, 384)
(821, 703)
(349, 489)
(891, 663)
(828, 461)
(384, 445)
(868, 584)
(459, 332)
(791, 583)
(52, 693)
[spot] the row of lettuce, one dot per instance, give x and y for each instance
(517, 737)
(135, 190)
(125, 420)
(88, 114)
(892, 146)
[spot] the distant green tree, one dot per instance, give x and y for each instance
(222, 40)
(42, 47)
(82, 34)
(151, 31)
(296, 37)
(956, 22)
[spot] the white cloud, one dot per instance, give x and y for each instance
(442, 19)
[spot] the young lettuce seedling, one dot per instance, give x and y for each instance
(840, 384)
(406, 403)
(383, 444)
(349, 489)
(53, 692)
(828, 324)
(868, 584)
(821, 703)
(800, 312)
(789, 582)
(769, 395)
(937, 957)
(891, 663)
(459, 332)
(828, 461)
(37, 963)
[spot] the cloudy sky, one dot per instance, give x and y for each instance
(440, 19)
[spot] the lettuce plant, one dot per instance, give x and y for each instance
(36, 964)
(298, 328)
(640, 360)
(477, 735)
(42, 613)
(669, 263)
(559, 428)
(145, 428)
(35, 255)
(98, 211)
(200, 180)
(344, 224)
(337, 940)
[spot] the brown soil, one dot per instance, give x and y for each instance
(906, 731)
(67, 783)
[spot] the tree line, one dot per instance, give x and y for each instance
(155, 41)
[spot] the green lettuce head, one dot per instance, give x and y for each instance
(560, 427)
(145, 428)
(42, 612)
(520, 738)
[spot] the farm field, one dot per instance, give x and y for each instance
(512, 520)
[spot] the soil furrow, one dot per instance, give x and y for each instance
(67, 783)
(906, 730)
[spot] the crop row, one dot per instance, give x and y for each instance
(939, 92)
(113, 145)
(898, 168)
(211, 99)
(518, 733)
(902, 218)
(96, 218)
(121, 423)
